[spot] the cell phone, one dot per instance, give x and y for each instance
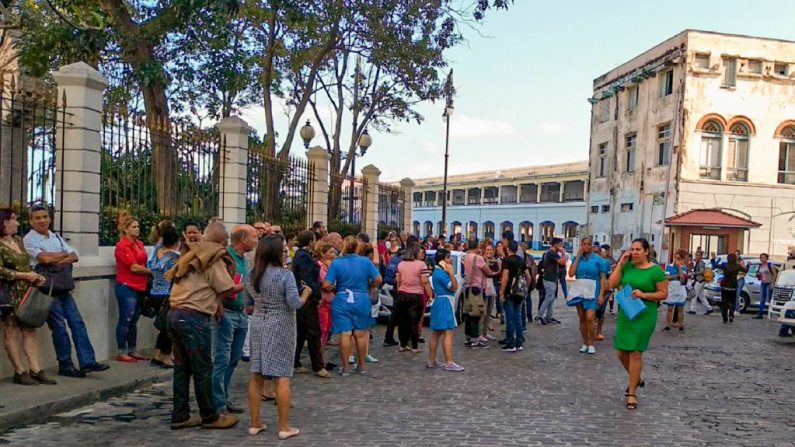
(237, 278)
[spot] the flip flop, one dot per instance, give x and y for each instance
(291, 433)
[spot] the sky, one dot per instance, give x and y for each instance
(523, 83)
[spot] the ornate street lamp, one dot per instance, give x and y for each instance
(307, 133)
(364, 142)
(448, 113)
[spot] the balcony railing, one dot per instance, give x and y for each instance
(491, 201)
(737, 175)
(710, 172)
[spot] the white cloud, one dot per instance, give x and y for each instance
(467, 126)
(550, 127)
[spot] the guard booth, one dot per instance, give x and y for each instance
(712, 230)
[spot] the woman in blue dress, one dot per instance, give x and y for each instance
(442, 311)
(676, 273)
(350, 276)
(591, 272)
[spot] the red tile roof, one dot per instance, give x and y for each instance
(710, 218)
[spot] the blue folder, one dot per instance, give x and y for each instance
(632, 307)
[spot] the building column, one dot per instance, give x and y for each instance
(406, 186)
(370, 201)
(79, 157)
(538, 193)
(318, 202)
(234, 166)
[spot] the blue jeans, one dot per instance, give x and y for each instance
(563, 286)
(740, 286)
(765, 294)
(550, 293)
(228, 337)
(129, 312)
(513, 306)
(62, 313)
(192, 335)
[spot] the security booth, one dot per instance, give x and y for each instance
(711, 230)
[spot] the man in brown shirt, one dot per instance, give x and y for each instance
(202, 277)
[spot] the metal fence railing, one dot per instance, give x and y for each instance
(347, 206)
(157, 169)
(391, 208)
(31, 117)
(278, 190)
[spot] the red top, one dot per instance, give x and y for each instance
(129, 253)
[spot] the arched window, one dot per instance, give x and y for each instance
(738, 152)
(428, 228)
(711, 137)
(505, 226)
(526, 232)
(547, 232)
(786, 155)
(457, 227)
(570, 229)
(416, 228)
(472, 229)
(488, 230)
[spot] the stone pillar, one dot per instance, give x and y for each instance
(234, 167)
(562, 190)
(318, 201)
(78, 157)
(370, 201)
(407, 187)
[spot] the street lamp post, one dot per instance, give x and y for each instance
(364, 142)
(448, 112)
(307, 133)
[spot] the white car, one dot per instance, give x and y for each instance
(782, 305)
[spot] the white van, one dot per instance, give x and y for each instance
(782, 305)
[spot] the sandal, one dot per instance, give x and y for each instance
(630, 405)
(291, 433)
(300, 370)
(254, 431)
(641, 384)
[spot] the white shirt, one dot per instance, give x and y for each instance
(37, 243)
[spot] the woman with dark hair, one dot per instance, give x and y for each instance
(164, 256)
(648, 283)
(132, 278)
(732, 271)
(273, 334)
(16, 277)
(442, 312)
(676, 272)
(156, 233)
(191, 232)
(412, 282)
(588, 291)
(351, 276)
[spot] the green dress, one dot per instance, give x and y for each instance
(634, 335)
(10, 262)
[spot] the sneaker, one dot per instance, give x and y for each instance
(584, 349)
(481, 345)
(552, 321)
(504, 341)
(231, 408)
(709, 311)
(352, 359)
(482, 339)
(223, 421)
(543, 321)
(194, 421)
(520, 348)
(433, 365)
(455, 367)
(490, 337)
(388, 343)
(370, 359)
(71, 372)
(421, 340)
(467, 344)
(691, 312)
(508, 348)
(591, 350)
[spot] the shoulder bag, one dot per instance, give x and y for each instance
(34, 307)
(58, 277)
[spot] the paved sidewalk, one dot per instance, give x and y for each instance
(23, 405)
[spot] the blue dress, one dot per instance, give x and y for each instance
(442, 314)
(591, 267)
(351, 309)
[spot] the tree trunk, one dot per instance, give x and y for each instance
(164, 173)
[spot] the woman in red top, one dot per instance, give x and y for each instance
(131, 280)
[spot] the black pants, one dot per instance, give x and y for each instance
(163, 342)
(727, 299)
(307, 329)
(408, 310)
(391, 322)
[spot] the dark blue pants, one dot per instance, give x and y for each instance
(129, 313)
(513, 320)
(191, 333)
(64, 312)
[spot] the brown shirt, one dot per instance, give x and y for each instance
(199, 291)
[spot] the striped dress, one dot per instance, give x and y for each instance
(273, 323)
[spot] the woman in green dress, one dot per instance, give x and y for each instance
(15, 279)
(648, 283)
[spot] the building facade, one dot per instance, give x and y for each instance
(701, 122)
(536, 203)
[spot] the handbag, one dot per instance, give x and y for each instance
(161, 319)
(34, 307)
(58, 277)
(632, 307)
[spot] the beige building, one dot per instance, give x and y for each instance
(536, 202)
(693, 145)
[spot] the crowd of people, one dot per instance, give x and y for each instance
(251, 293)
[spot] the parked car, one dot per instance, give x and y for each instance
(782, 305)
(749, 295)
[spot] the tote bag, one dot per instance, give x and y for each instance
(34, 307)
(632, 307)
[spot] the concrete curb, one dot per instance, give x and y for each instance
(39, 412)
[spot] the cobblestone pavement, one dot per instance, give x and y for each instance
(714, 384)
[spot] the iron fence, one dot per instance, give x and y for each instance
(278, 190)
(31, 117)
(156, 169)
(391, 208)
(347, 204)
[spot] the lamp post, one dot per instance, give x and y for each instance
(364, 142)
(448, 112)
(307, 133)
